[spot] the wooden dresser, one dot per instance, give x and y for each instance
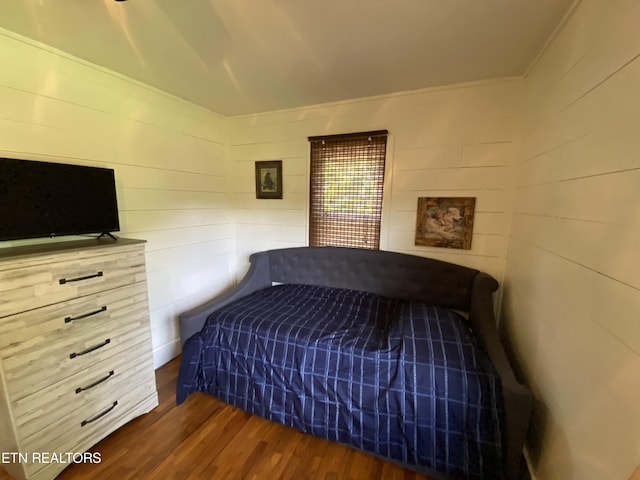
(75, 350)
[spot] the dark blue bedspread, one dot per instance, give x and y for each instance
(402, 380)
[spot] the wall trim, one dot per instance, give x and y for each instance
(106, 71)
(166, 353)
(565, 19)
(403, 93)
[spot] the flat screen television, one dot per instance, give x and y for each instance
(42, 199)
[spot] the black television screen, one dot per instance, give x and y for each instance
(42, 199)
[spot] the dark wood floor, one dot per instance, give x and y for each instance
(206, 439)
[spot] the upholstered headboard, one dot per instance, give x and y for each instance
(394, 275)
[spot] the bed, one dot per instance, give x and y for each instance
(394, 354)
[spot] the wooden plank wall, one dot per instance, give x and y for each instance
(169, 157)
(572, 289)
(451, 141)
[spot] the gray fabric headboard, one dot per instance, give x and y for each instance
(394, 275)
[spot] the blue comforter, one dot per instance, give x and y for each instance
(402, 380)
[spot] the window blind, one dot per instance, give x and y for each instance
(347, 180)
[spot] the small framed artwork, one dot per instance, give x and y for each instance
(445, 222)
(269, 179)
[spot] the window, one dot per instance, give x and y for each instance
(347, 178)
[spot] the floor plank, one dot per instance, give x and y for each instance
(205, 439)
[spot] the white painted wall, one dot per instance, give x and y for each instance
(168, 155)
(454, 141)
(572, 289)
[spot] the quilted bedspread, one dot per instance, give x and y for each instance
(402, 380)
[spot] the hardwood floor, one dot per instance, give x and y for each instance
(205, 438)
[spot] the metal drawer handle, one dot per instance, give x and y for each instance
(86, 315)
(97, 382)
(79, 279)
(101, 414)
(90, 349)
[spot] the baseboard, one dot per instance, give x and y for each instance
(166, 353)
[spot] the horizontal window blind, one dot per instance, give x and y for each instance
(347, 180)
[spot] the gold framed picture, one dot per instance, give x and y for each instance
(445, 222)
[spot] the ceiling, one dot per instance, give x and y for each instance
(245, 56)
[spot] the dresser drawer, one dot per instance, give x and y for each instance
(33, 284)
(73, 317)
(40, 348)
(126, 370)
(87, 426)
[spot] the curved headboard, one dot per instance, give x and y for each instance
(395, 275)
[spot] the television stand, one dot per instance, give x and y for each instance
(107, 234)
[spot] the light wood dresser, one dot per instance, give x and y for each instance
(75, 350)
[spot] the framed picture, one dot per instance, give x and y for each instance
(445, 222)
(269, 179)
